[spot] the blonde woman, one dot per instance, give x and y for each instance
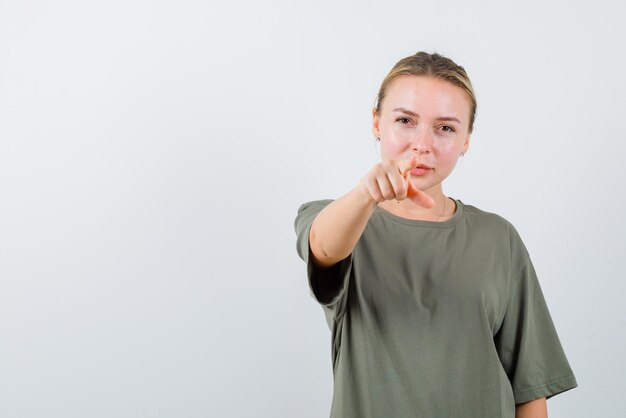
(434, 306)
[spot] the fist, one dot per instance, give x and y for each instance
(389, 180)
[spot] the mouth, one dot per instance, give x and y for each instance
(421, 170)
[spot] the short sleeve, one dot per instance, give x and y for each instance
(528, 344)
(327, 286)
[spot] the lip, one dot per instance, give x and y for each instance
(421, 170)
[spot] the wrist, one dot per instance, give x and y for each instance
(363, 197)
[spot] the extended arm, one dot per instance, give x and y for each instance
(337, 228)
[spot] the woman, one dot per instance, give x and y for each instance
(434, 306)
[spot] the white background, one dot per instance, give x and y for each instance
(153, 156)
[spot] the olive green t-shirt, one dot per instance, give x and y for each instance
(436, 319)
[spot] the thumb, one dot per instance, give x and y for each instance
(406, 165)
(419, 197)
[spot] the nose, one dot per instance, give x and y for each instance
(422, 141)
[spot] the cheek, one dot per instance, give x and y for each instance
(448, 149)
(391, 147)
(448, 154)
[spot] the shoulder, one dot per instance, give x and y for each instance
(492, 223)
(314, 205)
(484, 218)
(489, 221)
(308, 211)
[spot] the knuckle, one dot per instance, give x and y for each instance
(388, 164)
(375, 193)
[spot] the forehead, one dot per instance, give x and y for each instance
(427, 95)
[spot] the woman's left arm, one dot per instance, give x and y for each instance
(533, 409)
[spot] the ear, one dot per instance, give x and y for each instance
(375, 123)
(466, 144)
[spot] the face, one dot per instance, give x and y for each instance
(428, 117)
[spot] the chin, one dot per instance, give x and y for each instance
(422, 184)
(425, 183)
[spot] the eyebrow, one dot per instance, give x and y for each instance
(443, 118)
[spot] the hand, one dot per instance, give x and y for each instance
(389, 180)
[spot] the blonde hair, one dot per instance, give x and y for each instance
(433, 65)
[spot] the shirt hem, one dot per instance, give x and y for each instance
(546, 390)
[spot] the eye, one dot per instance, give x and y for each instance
(447, 128)
(404, 121)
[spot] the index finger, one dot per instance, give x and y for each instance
(407, 165)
